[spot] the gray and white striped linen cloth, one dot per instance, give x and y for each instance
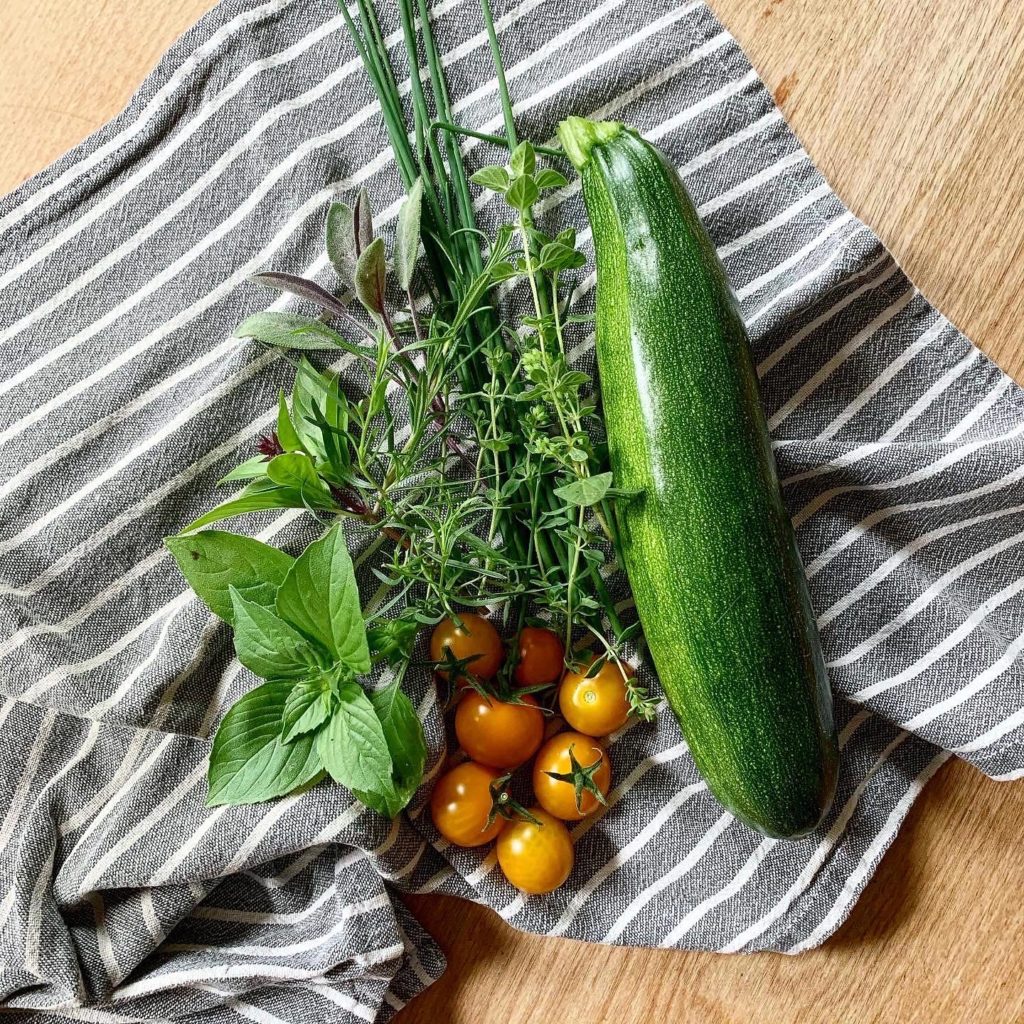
(122, 274)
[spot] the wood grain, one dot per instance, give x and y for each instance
(913, 111)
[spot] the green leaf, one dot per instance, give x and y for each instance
(214, 561)
(503, 270)
(259, 495)
(550, 178)
(319, 596)
(371, 271)
(296, 470)
(269, 646)
(353, 748)
(341, 242)
(248, 470)
(392, 640)
(588, 490)
(406, 742)
(494, 178)
(363, 220)
(407, 235)
(306, 708)
(522, 194)
(523, 159)
(286, 432)
(249, 761)
(556, 256)
(291, 330)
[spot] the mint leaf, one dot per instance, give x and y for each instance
(353, 748)
(249, 761)
(214, 561)
(588, 490)
(406, 743)
(248, 470)
(291, 330)
(319, 596)
(262, 494)
(550, 178)
(341, 242)
(267, 645)
(494, 178)
(407, 235)
(306, 708)
(523, 159)
(522, 194)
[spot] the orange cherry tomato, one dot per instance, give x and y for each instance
(535, 858)
(595, 706)
(541, 656)
(557, 796)
(476, 641)
(496, 733)
(461, 802)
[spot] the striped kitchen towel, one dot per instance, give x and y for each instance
(122, 274)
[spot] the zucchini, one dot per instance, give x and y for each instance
(708, 547)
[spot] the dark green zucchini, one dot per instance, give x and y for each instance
(709, 549)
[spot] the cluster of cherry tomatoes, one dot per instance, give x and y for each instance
(500, 728)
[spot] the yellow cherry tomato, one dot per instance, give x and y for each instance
(496, 733)
(535, 858)
(461, 802)
(557, 796)
(595, 706)
(476, 642)
(541, 656)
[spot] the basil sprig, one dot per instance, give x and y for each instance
(298, 625)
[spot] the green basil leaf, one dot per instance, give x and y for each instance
(319, 596)
(269, 646)
(371, 272)
(406, 742)
(352, 745)
(248, 470)
(588, 490)
(407, 235)
(259, 495)
(249, 761)
(306, 708)
(494, 178)
(392, 640)
(291, 330)
(341, 242)
(550, 178)
(214, 561)
(295, 469)
(286, 433)
(522, 194)
(523, 159)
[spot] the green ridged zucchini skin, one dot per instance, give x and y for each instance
(708, 546)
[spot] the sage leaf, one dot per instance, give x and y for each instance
(291, 331)
(269, 646)
(362, 218)
(407, 235)
(406, 743)
(214, 561)
(304, 288)
(306, 709)
(352, 745)
(371, 275)
(494, 178)
(319, 597)
(340, 236)
(248, 470)
(588, 490)
(249, 761)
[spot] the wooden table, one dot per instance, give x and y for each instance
(913, 110)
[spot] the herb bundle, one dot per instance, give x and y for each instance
(457, 431)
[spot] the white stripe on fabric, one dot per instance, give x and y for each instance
(103, 944)
(980, 410)
(990, 736)
(269, 916)
(344, 1000)
(28, 776)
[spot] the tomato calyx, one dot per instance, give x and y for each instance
(504, 805)
(581, 778)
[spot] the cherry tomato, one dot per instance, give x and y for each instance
(461, 802)
(476, 642)
(535, 858)
(496, 733)
(557, 796)
(540, 657)
(595, 706)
